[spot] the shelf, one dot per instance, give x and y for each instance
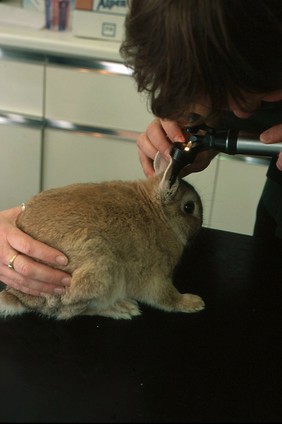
(64, 43)
(31, 40)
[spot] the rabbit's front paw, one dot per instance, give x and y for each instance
(191, 303)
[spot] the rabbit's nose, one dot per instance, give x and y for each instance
(189, 206)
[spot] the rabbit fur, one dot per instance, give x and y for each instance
(123, 240)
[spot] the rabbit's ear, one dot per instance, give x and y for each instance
(161, 164)
(164, 167)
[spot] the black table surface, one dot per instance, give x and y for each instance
(223, 364)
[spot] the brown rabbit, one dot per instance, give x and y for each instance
(123, 241)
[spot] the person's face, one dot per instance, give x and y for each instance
(253, 102)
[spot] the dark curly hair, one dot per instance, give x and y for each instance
(182, 51)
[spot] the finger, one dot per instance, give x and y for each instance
(32, 270)
(158, 138)
(145, 146)
(26, 274)
(172, 130)
(273, 135)
(25, 244)
(279, 162)
(146, 163)
(34, 288)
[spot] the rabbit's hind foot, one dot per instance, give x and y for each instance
(190, 303)
(10, 305)
(121, 309)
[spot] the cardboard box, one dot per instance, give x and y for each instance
(100, 19)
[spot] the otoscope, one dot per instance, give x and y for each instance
(228, 141)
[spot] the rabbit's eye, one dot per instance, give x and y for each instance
(189, 206)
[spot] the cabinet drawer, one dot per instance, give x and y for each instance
(238, 189)
(21, 87)
(75, 157)
(95, 98)
(20, 164)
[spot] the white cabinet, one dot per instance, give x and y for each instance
(71, 157)
(20, 164)
(21, 87)
(21, 111)
(113, 112)
(94, 97)
(238, 188)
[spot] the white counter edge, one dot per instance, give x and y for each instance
(64, 43)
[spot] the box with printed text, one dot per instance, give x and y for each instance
(100, 19)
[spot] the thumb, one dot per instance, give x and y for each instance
(273, 135)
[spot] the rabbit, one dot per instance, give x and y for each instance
(123, 240)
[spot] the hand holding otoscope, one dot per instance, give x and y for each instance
(231, 142)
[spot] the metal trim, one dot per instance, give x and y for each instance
(17, 119)
(99, 132)
(20, 55)
(95, 64)
(41, 123)
(91, 130)
(99, 65)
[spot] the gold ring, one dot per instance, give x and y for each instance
(11, 262)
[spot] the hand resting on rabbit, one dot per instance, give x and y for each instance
(123, 240)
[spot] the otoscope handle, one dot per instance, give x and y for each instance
(244, 143)
(231, 142)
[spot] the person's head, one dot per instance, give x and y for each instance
(213, 52)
